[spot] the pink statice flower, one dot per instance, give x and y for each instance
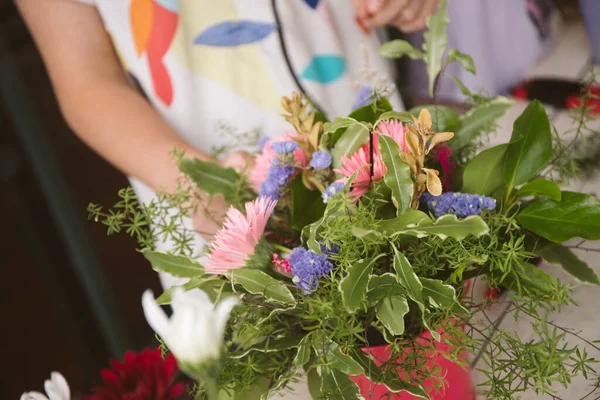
(235, 243)
(264, 160)
(360, 161)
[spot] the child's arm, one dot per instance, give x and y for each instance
(95, 98)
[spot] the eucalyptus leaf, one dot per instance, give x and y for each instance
(353, 286)
(179, 266)
(435, 42)
(526, 157)
(572, 264)
(391, 312)
(484, 173)
(576, 215)
(354, 137)
(477, 120)
(211, 178)
(540, 187)
(399, 48)
(443, 119)
(397, 175)
(258, 282)
(465, 60)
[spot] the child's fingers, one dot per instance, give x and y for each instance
(388, 13)
(411, 12)
(360, 7)
(238, 160)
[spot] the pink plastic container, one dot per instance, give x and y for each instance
(459, 380)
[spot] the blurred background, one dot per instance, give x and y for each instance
(71, 295)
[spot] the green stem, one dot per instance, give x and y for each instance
(282, 248)
(508, 193)
(212, 391)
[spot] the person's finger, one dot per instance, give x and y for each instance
(360, 7)
(374, 6)
(238, 160)
(387, 14)
(420, 22)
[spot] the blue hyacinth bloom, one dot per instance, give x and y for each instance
(280, 173)
(459, 204)
(307, 268)
(331, 190)
(284, 147)
(320, 160)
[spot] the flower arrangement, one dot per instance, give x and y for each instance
(345, 235)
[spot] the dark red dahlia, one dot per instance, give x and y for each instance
(142, 376)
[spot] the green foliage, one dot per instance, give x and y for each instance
(447, 226)
(210, 178)
(180, 266)
(353, 286)
(258, 282)
(443, 118)
(391, 312)
(307, 205)
(484, 173)
(465, 60)
(576, 215)
(397, 176)
(526, 157)
(540, 187)
(435, 42)
(572, 264)
(399, 48)
(352, 139)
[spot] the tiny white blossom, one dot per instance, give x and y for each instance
(195, 331)
(56, 388)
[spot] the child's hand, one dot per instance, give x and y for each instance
(406, 15)
(211, 211)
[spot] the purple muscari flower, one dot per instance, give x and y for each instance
(307, 267)
(262, 142)
(364, 97)
(320, 160)
(280, 173)
(331, 190)
(459, 204)
(284, 147)
(269, 188)
(329, 248)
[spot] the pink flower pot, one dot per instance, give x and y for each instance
(459, 383)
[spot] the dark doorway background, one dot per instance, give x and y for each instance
(48, 323)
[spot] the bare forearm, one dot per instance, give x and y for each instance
(119, 124)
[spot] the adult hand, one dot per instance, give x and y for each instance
(407, 15)
(210, 211)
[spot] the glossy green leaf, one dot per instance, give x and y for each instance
(371, 112)
(258, 282)
(304, 350)
(307, 205)
(381, 286)
(441, 295)
(337, 385)
(402, 116)
(354, 137)
(179, 266)
(339, 123)
(465, 60)
(484, 173)
(399, 48)
(211, 178)
(526, 157)
(572, 264)
(532, 280)
(443, 119)
(478, 120)
(397, 175)
(353, 286)
(448, 226)
(391, 312)
(576, 215)
(407, 277)
(540, 187)
(376, 375)
(314, 382)
(435, 42)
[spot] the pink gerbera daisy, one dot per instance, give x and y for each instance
(360, 161)
(234, 244)
(263, 161)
